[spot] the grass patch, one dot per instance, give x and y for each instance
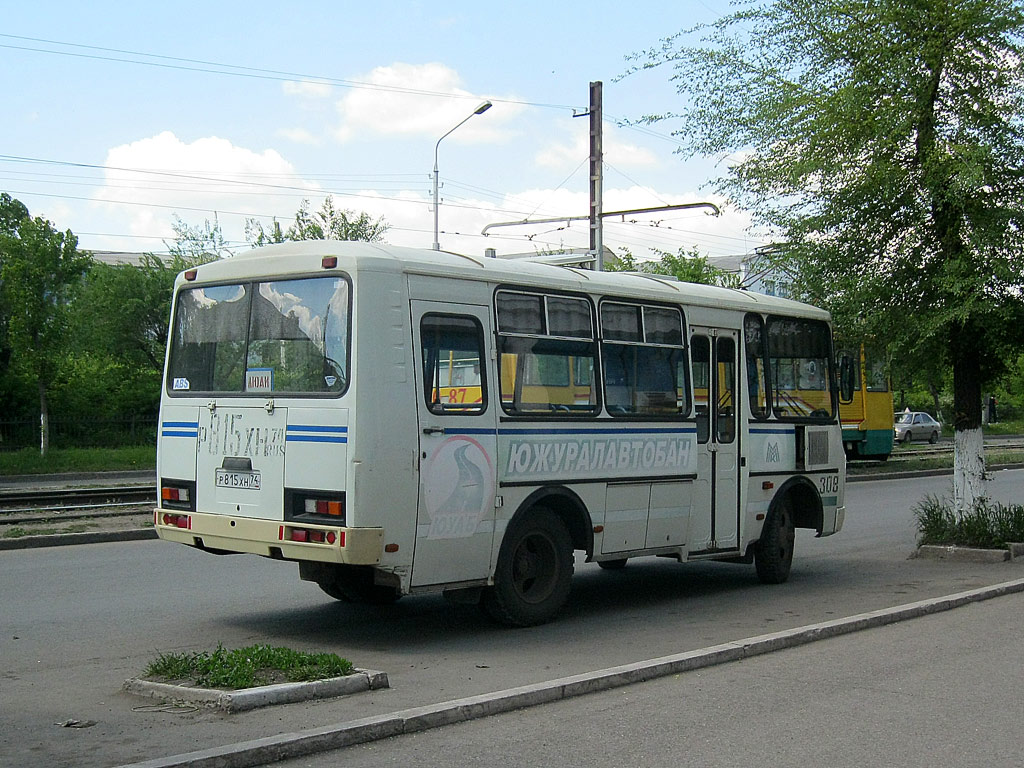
(1005, 428)
(986, 526)
(27, 461)
(247, 667)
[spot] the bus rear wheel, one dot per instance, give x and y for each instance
(773, 555)
(533, 573)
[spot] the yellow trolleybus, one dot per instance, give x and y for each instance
(399, 421)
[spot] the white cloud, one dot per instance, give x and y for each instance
(148, 180)
(405, 101)
(617, 151)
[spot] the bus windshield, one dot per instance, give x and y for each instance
(283, 336)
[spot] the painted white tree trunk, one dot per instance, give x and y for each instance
(968, 468)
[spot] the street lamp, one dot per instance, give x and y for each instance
(478, 111)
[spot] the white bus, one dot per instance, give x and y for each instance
(399, 420)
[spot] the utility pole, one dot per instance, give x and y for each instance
(596, 175)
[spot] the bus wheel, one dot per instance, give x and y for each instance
(531, 579)
(773, 555)
(355, 585)
(613, 565)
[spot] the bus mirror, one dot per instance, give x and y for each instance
(846, 378)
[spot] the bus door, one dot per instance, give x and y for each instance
(457, 438)
(714, 521)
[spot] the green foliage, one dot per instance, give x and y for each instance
(196, 244)
(122, 311)
(986, 525)
(28, 461)
(328, 223)
(39, 270)
(883, 140)
(247, 667)
(688, 266)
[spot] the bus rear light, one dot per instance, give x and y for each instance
(177, 494)
(333, 508)
(311, 535)
(191, 274)
(178, 521)
(329, 262)
(168, 493)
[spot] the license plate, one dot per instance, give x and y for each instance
(249, 481)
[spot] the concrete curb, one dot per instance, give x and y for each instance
(261, 696)
(962, 554)
(1012, 551)
(291, 745)
(88, 537)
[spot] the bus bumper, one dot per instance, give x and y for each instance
(271, 538)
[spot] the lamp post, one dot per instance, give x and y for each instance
(478, 111)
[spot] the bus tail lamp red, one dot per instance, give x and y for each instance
(178, 521)
(311, 535)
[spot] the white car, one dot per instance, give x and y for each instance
(916, 425)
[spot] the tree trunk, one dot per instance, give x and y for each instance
(44, 421)
(968, 440)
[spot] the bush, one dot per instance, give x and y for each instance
(987, 525)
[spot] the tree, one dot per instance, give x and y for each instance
(122, 310)
(688, 266)
(196, 244)
(328, 223)
(884, 140)
(39, 267)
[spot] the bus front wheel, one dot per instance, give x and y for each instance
(533, 573)
(773, 555)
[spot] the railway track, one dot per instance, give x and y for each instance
(900, 453)
(41, 505)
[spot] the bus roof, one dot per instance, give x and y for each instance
(304, 257)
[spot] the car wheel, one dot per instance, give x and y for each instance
(934, 438)
(907, 437)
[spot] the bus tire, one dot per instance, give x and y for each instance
(355, 585)
(773, 555)
(533, 573)
(613, 565)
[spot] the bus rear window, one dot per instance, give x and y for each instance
(284, 336)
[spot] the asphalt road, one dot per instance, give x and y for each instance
(935, 692)
(77, 621)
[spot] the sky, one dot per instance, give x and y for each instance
(120, 116)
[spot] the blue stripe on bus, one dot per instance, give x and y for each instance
(772, 431)
(179, 429)
(307, 433)
(534, 431)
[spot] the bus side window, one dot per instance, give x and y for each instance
(453, 377)
(700, 349)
